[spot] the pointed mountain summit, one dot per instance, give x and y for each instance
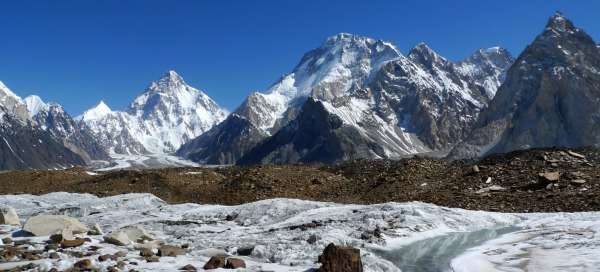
(551, 96)
(167, 114)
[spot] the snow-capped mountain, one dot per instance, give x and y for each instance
(53, 118)
(342, 63)
(24, 144)
(551, 97)
(164, 116)
(414, 104)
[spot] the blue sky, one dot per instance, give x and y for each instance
(79, 52)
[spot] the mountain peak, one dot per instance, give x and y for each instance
(35, 104)
(167, 81)
(96, 112)
(423, 54)
(558, 22)
(5, 91)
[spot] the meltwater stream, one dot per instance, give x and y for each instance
(435, 254)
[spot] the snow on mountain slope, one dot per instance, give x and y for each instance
(53, 118)
(166, 115)
(342, 62)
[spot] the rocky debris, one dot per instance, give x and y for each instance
(8, 216)
(575, 154)
(340, 259)
(188, 267)
(245, 251)
(312, 239)
(152, 259)
(128, 235)
(45, 225)
(235, 263)
(171, 251)
(215, 262)
(107, 257)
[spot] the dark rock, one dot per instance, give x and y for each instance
(215, 262)
(245, 251)
(235, 263)
(84, 264)
(188, 267)
(7, 241)
(340, 259)
(152, 259)
(312, 239)
(146, 252)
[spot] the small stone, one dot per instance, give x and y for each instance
(488, 180)
(578, 181)
(84, 264)
(235, 263)
(128, 235)
(7, 240)
(54, 255)
(170, 251)
(312, 239)
(121, 264)
(153, 259)
(107, 257)
(145, 252)
(550, 176)
(72, 243)
(95, 230)
(8, 216)
(549, 186)
(576, 155)
(245, 251)
(475, 169)
(188, 267)
(215, 262)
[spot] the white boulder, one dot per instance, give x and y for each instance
(45, 225)
(8, 216)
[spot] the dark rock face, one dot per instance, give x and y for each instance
(314, 136)
(215, 262)
(24, 146)
(340, 259)
(75, 137)
(225, 143)
(551, 97)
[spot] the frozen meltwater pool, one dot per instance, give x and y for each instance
(435, 254)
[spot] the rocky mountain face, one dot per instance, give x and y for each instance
(224, 143)
(26, 145)
(316, 135)
(551, 97)
(53, 118)
(418, 103)
(342, 63)
(166, 115)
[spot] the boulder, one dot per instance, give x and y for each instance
(95, 230)
(235, 263)
(45, 225)
(550, 176)
(188, 267)
(146, 252)
(340, 259)
(8, 216)
(245, 251)
(128, 235)
(170, 251)
(72, 243)
(575, 154)
(578, 181)
(83, 265)
(215, 262)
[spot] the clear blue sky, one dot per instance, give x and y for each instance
(79, 52)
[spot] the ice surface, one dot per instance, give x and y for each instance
(279, 229)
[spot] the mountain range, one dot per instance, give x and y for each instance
(352, 97)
